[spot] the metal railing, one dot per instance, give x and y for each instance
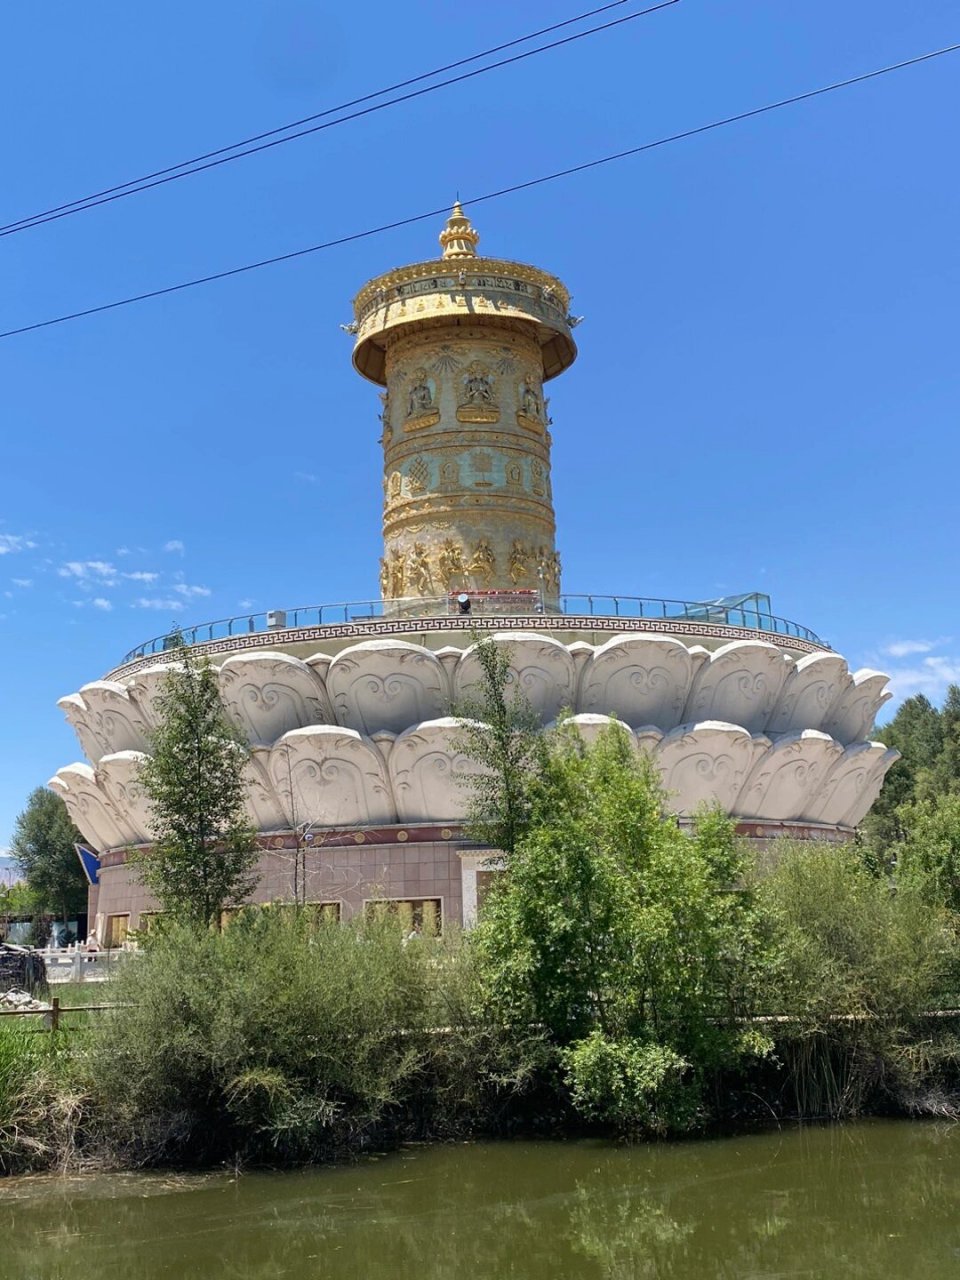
(751, 612)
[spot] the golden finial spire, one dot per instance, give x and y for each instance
(458, 238)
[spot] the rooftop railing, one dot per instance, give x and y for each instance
(751, 612)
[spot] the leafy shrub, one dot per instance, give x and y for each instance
(280, 1040)
(858, 964)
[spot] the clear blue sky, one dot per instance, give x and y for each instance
(766, 396)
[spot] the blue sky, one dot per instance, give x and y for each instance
(766, 395)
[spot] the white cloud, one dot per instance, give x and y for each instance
(930, 676)
(245, 604)
(99, 602)
(85, 570)
(156, 602)
(174, 545)
(11, 543)
(306, 476)
(122, 551)
(140, 576)
(189, 592)
(904, 648)
(22, 582)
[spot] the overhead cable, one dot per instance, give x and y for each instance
(491, 195)
(213, 159)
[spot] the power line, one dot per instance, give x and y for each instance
(320, 115)
(213, 159)
(492, 195)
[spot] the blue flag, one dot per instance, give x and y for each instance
(90, 862)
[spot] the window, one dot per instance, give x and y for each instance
(116, 931)
(420, 915)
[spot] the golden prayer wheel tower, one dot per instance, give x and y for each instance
(462, 346)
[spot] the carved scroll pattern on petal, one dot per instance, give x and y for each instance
(852, 716)
(386, 686)
(331, 776)
(424, 769)
(118, 776)
(264, 804)
(145, 689)
(266, 697)
(113, 717)
(851, 785)
(78, 717)
(739, 685)
(640, 679)
(90, 808)
(809, 692)
(786, 777)
(706, 763)
(541, 668)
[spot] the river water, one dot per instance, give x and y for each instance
(878, 1200)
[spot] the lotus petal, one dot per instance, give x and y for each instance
(706, 763)
(786, 777)
(111, 719)
(851, 717)
(809, 692)
(332, 776)
(590, 726)
(267, 695)
(852, 785)
(145, 689)
(540, 667)
(387, 685)
(264, 803)
(640, 679)
(90, 809)
(424, 769)
(78, 716)
(739, 685)
(118, 776)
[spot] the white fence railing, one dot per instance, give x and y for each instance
(83, 966)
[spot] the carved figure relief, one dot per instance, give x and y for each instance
(514, 475)
(449, 475)
(384, 578)
(397, 573)
(483, 562)
(421, 402)
(476, 400)
(394, 486)
(537, 481)
(519, 562)
(548, 568)
(420, 570)
(450, 566)
(530, 413)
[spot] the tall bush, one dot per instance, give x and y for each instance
(858, 965)
(628, 940)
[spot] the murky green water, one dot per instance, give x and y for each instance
(879, 1200)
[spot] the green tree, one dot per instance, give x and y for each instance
(501, 733)
(43, 840)
(916, 731)
(205, 849)
(928, 856)
(621, 935)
